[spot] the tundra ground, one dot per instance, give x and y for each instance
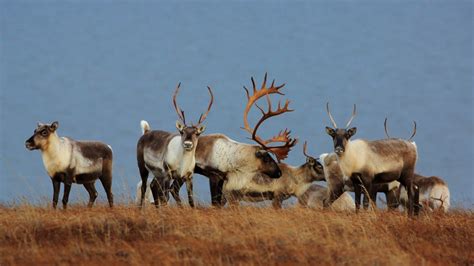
(246, 235)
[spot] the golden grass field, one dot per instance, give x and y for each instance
(246, 235)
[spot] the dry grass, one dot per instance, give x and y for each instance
(126, 235)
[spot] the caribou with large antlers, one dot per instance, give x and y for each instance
(294, 181)
(379, 161)
(169, 156)
(225, 160)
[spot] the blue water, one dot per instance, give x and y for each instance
(100, 67)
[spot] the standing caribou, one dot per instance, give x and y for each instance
(379, 161)
(232, 164)
(434, 192)
(169, 156)
(338, 185)
(69, 161)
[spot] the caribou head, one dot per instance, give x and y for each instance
(340, 136)
(316, 170)
(190, 133)
(41, 136)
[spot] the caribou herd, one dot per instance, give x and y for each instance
(250, 172)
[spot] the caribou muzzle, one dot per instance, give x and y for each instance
(29, 144)
(339, 150)
(188, 145)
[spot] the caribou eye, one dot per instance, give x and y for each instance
(44, 133)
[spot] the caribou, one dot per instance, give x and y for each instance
(380, 161)
(315, 196)
(233, 164)
(294, 181)
(169, 156)
(69, 161)
(434, 192)
(338, 185)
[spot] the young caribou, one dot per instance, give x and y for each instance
(68, 161)
(379, 161)
(225, 160)
(169, 156)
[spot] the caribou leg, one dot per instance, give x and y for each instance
(90, 187)
(56, 188)
(356, 182)
(216, 184)
(189, 189)
(154, 191)
(144, 176)
(67, 189)
(175, 187)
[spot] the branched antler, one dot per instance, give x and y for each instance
(281, 152)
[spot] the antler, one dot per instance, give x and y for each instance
(385, 127)
(330, 116)
(203, 116)
(257, 94)
(304, 150)
(352, 116)
(281, 152)
(178, 110)
(386, 131)
(414, 131)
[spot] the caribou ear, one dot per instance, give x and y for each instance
(179, 126)
(351, 131)
(330, 131)
(201, 129)
(54, 126)
(310, 161)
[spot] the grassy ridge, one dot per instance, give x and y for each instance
(231, 236)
